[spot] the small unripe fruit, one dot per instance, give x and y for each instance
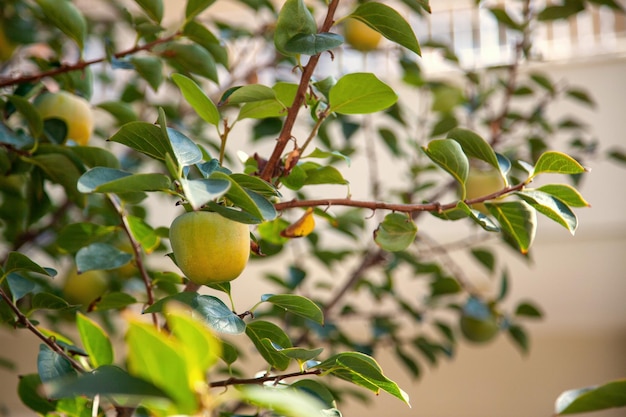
(479, 330)
(71, 109)
(84, 288)
(208, 247)
(360, 36)
(481, 183)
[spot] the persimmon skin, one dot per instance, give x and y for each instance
(209, 248)
(481, 183)
(75, 111)
(360, 36)
(84, 288)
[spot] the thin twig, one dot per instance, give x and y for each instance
(80, 65)
(263, 379)
(24, 321)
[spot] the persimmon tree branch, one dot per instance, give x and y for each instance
(294, 109)
(80, 65)
(50, 342)
(261, 380)
(398, 207)
(137, 253)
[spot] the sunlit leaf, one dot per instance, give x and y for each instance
(551, 207)
(518, 220)
(595, 398)
(557, 163)
(360, 93)
(194, 95)
(95, 340)
(296, 304)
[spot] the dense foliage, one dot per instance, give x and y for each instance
(240, 119)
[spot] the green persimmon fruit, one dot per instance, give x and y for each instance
(86, 287)
(75, 111)
(208, 247)
(481, 183)
(360, 36)
(479, 330)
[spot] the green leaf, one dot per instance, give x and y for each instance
(479, 218)
(360, 93)
(64, 15)
(196, 6)
(200, 347)
(47, 301)
(316, 389)
(191, 58)
(557, 163)
(17, 261)
(109, 381)
(185, 150)
(276, 107)
(143, 233)
(123, 112)
(389, 23)
(294, 19)
(503, 17)
(217, 315)
(396, 232)
(77, 235)
(581, 96)
(449, 155)
(153, 8)
(150, 69)
(324, 175)
(101, 256)
(203, 37)
(362, 370)
(543, 81)
(255, 184)
(194, 95)
(444, 286)
(109, 180)
(318, 153)
(61, 170)
(518, 220)
(248, 201)
(313, 43)
(288, 403)
(30, 113)
(475, 146)
(265, 335)
(566, 193)
(200, 191)
(19, 286)
(595, 398)
(31, 392)
(301, 354)
(528, 309)
(485, 257)
(551, 207)
(519, 336)
(143, 137)
(114, 301)
(247, 94)
(96, 342)
(296, 304)
(147, 364)
(51, 366)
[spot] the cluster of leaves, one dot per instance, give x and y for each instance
(89, 205)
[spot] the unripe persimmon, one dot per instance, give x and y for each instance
(208, 247)
(481, 183)
(75, 111)
(479, 330)
(86, 287)
(360, 36)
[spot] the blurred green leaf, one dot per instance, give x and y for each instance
(396, 232)
(95, 340)
(198, 100)
(64, 15)
(294, 19)
(474, 145)
(53, 367)
(313, 44)
(77, 235)
(101, 256)
(296, 304)
(196, 6)
(191, 58)
(582, 400)
(150, 69)
(153, 8)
